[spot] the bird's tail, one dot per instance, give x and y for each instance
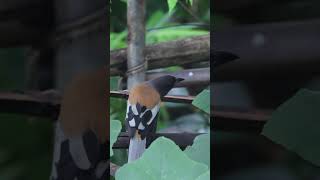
(136, 148)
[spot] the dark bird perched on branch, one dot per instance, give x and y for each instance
(142, 112)
(82, 130)
(221, 57)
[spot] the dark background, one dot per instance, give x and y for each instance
(41, 49)
(278, 46)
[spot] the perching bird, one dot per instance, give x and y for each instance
(142, 111)
(82, 131)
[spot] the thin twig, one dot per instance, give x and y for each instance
(181, 139)
(175, 99)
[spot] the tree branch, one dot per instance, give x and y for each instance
(179, 52)
(181, 139)
(175, 99)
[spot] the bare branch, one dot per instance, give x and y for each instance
(179, 52)
(176, 99)
(136, 42)
(181, 139)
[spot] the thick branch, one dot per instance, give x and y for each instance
(136, 42)
(166, 54)
(181, 139)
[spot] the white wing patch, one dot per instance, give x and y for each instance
(154, 112)
(141, 126)
(134, 109)
(128, 105)
(132, 123)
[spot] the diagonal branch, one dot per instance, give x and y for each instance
(175, 99)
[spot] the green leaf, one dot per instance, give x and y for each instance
(154, 19)
(114, 132)
(202, 101)
(191, 2)
(204, 176)
(200, 150)
(295, 125)
(113, 82)
(172, 4)
(163, 160)
(118, 40)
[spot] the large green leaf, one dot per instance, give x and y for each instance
(172, 4)
(163, 160)
(115, 129)
(202, 101)
(200, 150)
(296, 125)
(204, 176)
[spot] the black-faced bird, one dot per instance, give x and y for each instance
(142, 111)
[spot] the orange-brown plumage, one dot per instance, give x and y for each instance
(142, 112)
(145, 95)
(84, 106)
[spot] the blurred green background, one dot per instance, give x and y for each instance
(25, 142)
(246, 155)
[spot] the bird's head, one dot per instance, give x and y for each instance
(164, 83)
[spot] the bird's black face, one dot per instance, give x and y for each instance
(164, 84)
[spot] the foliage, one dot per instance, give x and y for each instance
(200, 150)
(115, 128)
(202, 101)
(25, 142)
(160, 26)
(295, 125)
(172, 4)
(163, 160)
(27, 154)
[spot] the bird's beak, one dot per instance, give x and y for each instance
(179, 80)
